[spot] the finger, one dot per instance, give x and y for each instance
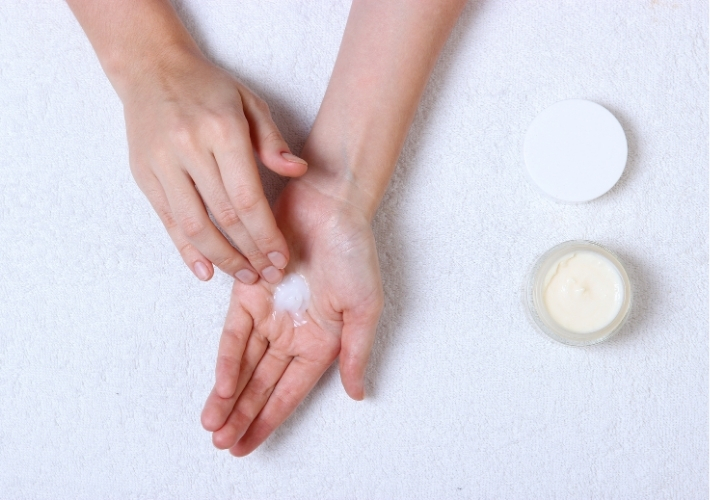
(243, 186)
(198, 263)
(252, 399)
(267, 139)
(235, 334)
(208, 179)
(297, 381)
(189, 212)
(218, 409)
(359, 328)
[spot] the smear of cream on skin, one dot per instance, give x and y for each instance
(583, 292)
(292, 295)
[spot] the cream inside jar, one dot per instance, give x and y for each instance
(578, 293)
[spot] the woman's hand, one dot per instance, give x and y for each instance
(266, 365)
(192, 132)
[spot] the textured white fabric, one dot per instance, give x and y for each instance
(107, 343)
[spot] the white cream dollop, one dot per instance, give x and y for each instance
(583, 292)
(292, 295)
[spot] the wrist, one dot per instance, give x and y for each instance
(320, 209)
(337, 181)
(132, 39)
(132, 69)
(339, 166)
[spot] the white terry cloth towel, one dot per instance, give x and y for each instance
(108, 343)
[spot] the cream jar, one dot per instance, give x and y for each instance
(578, 293)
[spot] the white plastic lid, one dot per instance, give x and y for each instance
(575, 150)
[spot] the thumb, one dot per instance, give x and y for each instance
(268, 142)
(359, 328)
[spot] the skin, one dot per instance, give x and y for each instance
(266, 366)
(192, 132)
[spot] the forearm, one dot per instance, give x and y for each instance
(132, 38)
(387, 54)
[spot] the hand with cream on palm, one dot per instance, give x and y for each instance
(270, 359)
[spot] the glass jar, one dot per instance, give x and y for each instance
(539, 302)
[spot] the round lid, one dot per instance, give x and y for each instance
(575, 150)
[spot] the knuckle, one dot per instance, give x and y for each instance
(241, 127)
(287, 399)
(246, 198)
(259, 388)
(185, 248)
(164, 213)
(242, 418)
(229, 263)
(231, 332)
(192, 226)
(254, 256)
(266, 240)
(183, 137)
(246, 368)
(262, 106)
(167, 217)
(227, 362)
(163, 155)
(273, 136)
(225, 215)
(222, 126)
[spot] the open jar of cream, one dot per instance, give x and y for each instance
(578, 293)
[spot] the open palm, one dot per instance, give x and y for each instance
(266, 365)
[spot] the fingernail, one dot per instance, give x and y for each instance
(201, 271)
(246, 276)
(294, 158)
(277, 259)
(272, 275)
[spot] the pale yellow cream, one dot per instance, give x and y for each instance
(583, 292)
